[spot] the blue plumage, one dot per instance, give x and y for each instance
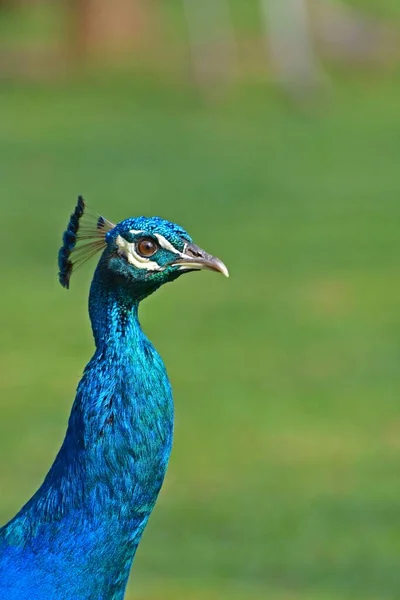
(77, 536)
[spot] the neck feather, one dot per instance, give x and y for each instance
(113, 310)
(105, 480)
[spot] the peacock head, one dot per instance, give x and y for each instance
(143, 252)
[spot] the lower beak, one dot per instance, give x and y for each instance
(196, 259)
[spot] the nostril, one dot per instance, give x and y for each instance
(193, 251)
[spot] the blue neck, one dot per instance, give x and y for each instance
(113, 311)
(104, 483)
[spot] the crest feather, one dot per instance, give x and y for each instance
(83, 238)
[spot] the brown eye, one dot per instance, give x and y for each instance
(146, 247)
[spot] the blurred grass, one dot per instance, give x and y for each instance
(284, 481)
(385, 9)
(31, 23)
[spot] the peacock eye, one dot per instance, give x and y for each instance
(146, 247)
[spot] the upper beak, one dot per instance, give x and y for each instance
(194, 258)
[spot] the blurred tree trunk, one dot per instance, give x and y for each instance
(290, 44)
(345, 33)
(101, 28)
(212, 41)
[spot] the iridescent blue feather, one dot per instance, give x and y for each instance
(77, 536)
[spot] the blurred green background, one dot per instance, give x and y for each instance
(285, 477)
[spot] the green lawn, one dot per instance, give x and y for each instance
(285, 477)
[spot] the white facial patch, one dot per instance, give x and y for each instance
(164, 243)
(127, 249)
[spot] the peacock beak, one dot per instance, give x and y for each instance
(194, 258)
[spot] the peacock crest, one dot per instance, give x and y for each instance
(84, 237)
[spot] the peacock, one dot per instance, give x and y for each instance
(76, 538)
